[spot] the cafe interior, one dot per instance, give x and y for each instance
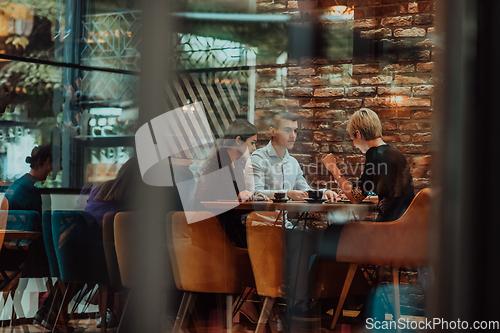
(248, 166)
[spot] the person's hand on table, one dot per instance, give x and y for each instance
(297, 195)
(331, 196)
(245, 195)
(261, 197)
(341, 196)
(331, 164)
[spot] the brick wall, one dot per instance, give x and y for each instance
(396, 82)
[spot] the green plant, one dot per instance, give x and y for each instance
(42, 8)
(34, 84)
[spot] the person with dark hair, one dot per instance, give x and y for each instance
(22, 193)
(238, 141)
(231, 153)
(114, 195)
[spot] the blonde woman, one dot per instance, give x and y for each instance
(386, 171)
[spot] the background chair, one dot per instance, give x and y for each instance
(80, 253)
(108, 238)
(204, 260)
(266, 248)
(15, 251)
(17, 259)
(126, 247)
(398, 243)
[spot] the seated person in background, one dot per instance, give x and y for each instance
(23, 195)
(230, 151)
(386, 171)
(238, 141)
(114, 195)
(272, 169)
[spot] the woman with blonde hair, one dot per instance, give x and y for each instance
(386, 171)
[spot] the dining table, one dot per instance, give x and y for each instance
(15, 240)
(11, 235)
(340, 212)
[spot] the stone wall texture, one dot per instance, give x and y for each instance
(392, 76)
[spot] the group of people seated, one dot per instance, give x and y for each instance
(264, 172)
(261, 173)
(253, 174)
(111, 196)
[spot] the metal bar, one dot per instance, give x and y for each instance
(207, 105)
(216, 101)
(233, 97)
(68, 65)
(224, 99)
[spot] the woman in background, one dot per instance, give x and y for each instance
(114, 195)
(232, 151)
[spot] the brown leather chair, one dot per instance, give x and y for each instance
(204, 260)
(108, 240)
(124, 239)
(396, 244)
(266, 248)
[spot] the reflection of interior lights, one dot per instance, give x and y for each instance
(396, 99)
(343, 11)
(129, 33)
(90, 41)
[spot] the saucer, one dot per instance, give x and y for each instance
(310, 200)
(280, 200)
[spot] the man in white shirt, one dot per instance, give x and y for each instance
(272, 169)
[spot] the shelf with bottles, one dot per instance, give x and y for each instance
(108, 126)
(102, 164)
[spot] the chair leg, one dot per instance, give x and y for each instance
(343, 295)
(397, 309)
(279, 322)
(103, 291)
(229, 313)
(124, 310)
(194, 313)
(264, 315)
(381, 273)
(187, 299)
(64, 290)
